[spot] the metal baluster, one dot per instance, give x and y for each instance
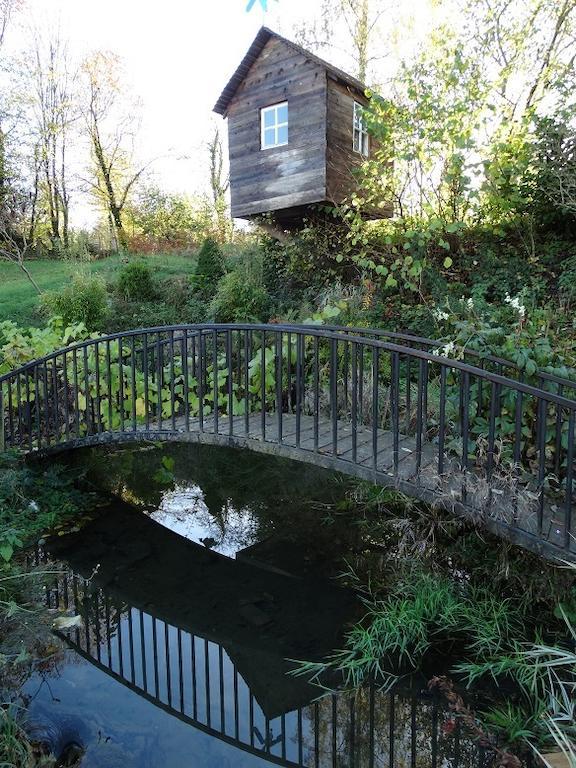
(558, 441)
(172, 375)
(193, 665)
(316, 414)
(159, 381)
(221, 681)
(180, 669)
(247, 345)
(143, 649)
(375, 407)
(109, 387)
(395, 409)
(37, 401)
(207, 683)
(47, 403)
(56, 400)
(465, 431)
(29, 411)
(442, 420)
(278, 382)
(168, 665)
(263, 384)
(569, 476)
(133, 380)
(542, 413)
(354, 413)
(334, 393)
(201, 365)
(121, 392)
(230, 383)
(146, 382)
(491, 439)
(300, 342)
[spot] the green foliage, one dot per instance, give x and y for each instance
(135, 282)
(209, 269)
(33, 500)
(420, 610)
(83, 300)
(164, 221)
(20, 345)
(15, 748)
(241, 295)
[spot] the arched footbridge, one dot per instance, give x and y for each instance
(468, 435)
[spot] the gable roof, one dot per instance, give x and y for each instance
(263, 36)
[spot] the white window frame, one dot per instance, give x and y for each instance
(360, 137)
(274, 109)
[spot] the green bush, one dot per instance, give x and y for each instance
(209, 269)
(196, 310)
(83, 300)
(141, 314)
(240, 297)
(135, 282)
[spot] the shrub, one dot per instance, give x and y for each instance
(240, 299)
(83, 300)
(135, 282)
(209, 269)
(196, 310)
(141, 314)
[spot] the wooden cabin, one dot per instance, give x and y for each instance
(295, 131)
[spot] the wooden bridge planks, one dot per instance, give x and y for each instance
(312, 440)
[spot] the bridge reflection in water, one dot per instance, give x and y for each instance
(238, 692)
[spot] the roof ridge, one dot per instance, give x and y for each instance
(263, 35)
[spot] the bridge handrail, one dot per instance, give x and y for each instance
(319, 331)
(412, 338)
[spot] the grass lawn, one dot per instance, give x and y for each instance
(19, 300)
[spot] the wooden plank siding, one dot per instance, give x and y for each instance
(342, 162)
(281, 177)
(318, 164)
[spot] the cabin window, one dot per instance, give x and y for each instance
(274, 125)
(360, 132)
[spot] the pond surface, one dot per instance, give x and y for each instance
(196, 585)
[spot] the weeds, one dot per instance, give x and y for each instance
(421, 610)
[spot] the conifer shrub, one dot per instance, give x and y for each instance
(209, 269)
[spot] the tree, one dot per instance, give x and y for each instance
(54, 110)
(14, 243)
(526, 49)
(218, 182)
(111, 127)
(353, 28)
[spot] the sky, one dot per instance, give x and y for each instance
(178, 55)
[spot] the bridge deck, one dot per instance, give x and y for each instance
(504, 505)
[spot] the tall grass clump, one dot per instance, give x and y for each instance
(422, 610)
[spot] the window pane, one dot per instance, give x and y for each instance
(283, 135)
(365, 144)
(282, 113)
(269, 137)
(357, 139)
(268, 118)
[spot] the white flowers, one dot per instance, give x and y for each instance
(446, 350)
(440, 315)
(515, 304)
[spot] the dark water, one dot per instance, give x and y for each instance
(209, 571)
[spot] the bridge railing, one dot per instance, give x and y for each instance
(196, 680)
(441, 429)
